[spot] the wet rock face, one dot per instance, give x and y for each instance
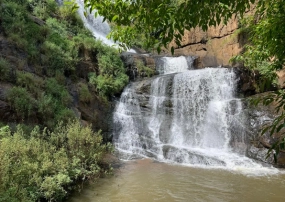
(133, 60)
(246, 84)
(258, 118)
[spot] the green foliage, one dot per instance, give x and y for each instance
(21, 101)
(45, 165)
(57, 44)
(111, 77)
(4, 69)
(42, 8)
(68, 12)
(107, 84)
(18, 41)
(163, 20)
(47, 106)
(60, 51)
(144, 70)
(58, 91)
(30, 82)
(84, 94)
(64, 115)
(266, 30)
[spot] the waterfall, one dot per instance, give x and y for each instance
(190, 117)
(168, 65)
(96, 25)
(98, 28)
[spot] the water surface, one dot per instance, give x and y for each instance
(147, 180)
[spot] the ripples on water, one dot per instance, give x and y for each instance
(146, 180)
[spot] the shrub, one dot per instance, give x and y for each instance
(4, 69)
(44, 166)
(30, 82)
(42, 8)
(57, 91)
(19, 41)
(144, 70)
(47, 106)
(111, 77)
(64, 115)
(84, 94)
(21, 101)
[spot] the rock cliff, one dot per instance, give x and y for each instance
(214, 47)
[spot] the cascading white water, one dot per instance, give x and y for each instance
(96, 25)
(191, 118)
(99, 29)
(129, 123)
(168, 65)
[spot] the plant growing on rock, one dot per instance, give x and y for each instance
(21, 101)
(4, 69)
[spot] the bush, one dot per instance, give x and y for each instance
(84, 94)
(21, 101)
(47, 106)
(108, 84)
(46, 165)
(111, 77)
(57, 91)
(64, 115)
(30, 82)
(4, 69)
(42, 8)
(144, 70)
(19, 41)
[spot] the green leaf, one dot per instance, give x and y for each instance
(158, 49)
(115, 17)
(172, 50)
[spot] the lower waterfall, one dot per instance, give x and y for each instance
(191, 117)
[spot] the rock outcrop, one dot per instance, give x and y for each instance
(135, 65)
(259, 117)
(214, 47)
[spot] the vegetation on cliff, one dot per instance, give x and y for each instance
(52, 74)
(44, 48)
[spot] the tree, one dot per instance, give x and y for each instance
(161, 21)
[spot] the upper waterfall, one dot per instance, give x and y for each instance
(99, 29)
(96, 25)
